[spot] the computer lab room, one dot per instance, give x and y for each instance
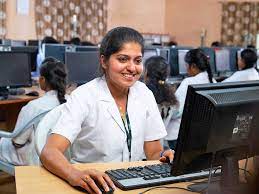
(129, 96)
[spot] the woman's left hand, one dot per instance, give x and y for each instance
(167, 156)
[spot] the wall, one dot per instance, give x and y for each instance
(185, 20)
(143, 15)
(20, 27)
(182, 19)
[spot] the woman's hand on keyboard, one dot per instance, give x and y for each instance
(167, 156)
(87, 179)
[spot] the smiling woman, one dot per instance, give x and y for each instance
(116, 103)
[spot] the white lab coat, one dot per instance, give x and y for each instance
(243, 75)
(91, 121)
(174, 124)
(26, 154)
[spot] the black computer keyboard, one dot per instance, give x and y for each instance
(150, 175)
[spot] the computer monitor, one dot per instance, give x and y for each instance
(219, 126)
(33, 43)
(149, 52)
(31, 50)
(15, 71)
(56, 50)
(82, 66)
(181, 62)
(176, 70)
(18, 43)
(165, 53)
(222, 60)
(87, 48)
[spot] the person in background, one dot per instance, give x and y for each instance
(115, 103)
(246, 66)
(20, 150)
(40, 55)
(75, 41)
(156, 72)
(199, 72)
(216, 44)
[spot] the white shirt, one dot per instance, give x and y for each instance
(91, 121)
(243, 75)
(174, 124)
(25, 155)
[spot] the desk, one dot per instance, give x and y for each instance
(37, 180)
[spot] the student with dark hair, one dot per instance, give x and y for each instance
(246, 66)
(20, 150)
(156, 72)
(116, 103)
(75, 41)
(199, 72)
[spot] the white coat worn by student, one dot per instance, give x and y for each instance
(243, 75)
(92, 123)
(26, 155)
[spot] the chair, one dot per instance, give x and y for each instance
(5, 166)
(44, 128)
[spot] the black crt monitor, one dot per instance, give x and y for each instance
(219, 126)
(33, 43)
(31, 50)
(222, 61)
(165, 53)
(56, 50)
(149, 52)
(210, 53)
(181, 62)
(82, 66)
(18, 43)
(174, 61)
(15, 71)
(86, 48)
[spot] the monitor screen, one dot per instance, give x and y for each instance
(181, 62)
(219, 126)
(82, 66)
(222, 60)
(165, 53)
(149, 53)
(55, 50)
(31, 50)
(15, 69)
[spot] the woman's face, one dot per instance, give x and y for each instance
(123, 68)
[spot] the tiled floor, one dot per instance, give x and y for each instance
(7, 184)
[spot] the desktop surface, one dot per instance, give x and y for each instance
(40, 181)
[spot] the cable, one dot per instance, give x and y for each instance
(165, 187)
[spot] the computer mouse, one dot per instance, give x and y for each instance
(111, 191)
(33, 93)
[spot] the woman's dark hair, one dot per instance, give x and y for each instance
(200, 60)
(55, 74)
(157, 70)
(113, 41)
(249, 57)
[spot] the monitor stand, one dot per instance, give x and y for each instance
(3, 93)
(229, 182)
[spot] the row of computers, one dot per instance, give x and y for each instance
(82, 62)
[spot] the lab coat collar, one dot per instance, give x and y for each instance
(111, 106)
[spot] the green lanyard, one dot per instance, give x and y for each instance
(128, 133)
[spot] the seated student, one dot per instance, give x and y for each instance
(246, 66)
(156, 72)
(19, 150)
(111, 118)
(198, 69)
